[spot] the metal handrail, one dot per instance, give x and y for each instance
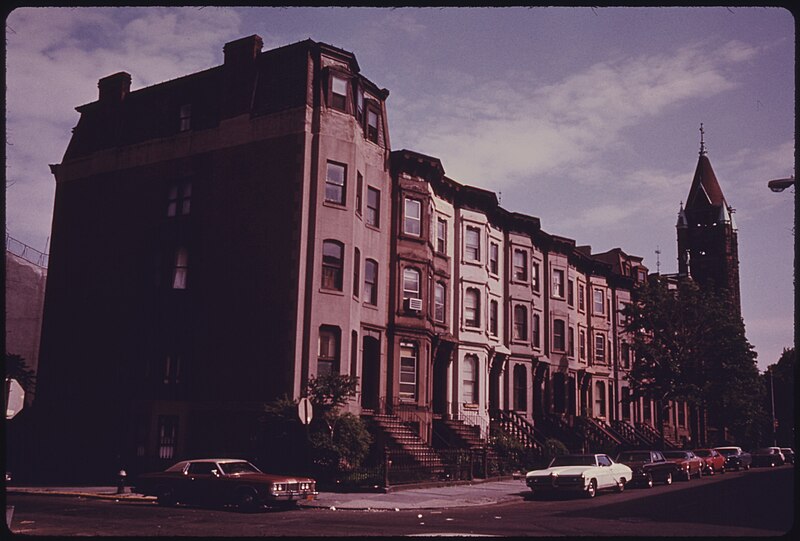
(28, 253)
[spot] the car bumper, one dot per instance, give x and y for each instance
(548, 485)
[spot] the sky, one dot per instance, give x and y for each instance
(587, 118)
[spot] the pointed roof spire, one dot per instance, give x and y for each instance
(682, 223)
(705, 189)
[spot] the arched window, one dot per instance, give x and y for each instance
(469, 387)
(600, 398)
(520, 388)
(332, 264)
(472, 308)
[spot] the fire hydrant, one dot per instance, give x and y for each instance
(121, 481)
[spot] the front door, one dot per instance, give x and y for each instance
(370, 372)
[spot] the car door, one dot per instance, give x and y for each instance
(606, 476)
(200, 481)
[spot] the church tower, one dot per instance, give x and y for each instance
(707, 235)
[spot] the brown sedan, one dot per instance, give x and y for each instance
(221, 481)
(687, 464)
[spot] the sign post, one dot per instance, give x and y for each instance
(306, 413)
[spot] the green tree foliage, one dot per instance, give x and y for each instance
(690, 344)
(17, 368)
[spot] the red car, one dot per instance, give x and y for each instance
(224, 481)
(687, 464)
(715, 462)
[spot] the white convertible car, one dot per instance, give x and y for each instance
(584, 474)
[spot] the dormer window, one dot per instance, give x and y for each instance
(338, 92)
(359, 104)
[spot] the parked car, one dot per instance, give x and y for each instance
(221, 481)
(735, 458)
(648, 467)
(581, 474)
(687, 464)
(768, 456)
(715, 462)
(788, 454)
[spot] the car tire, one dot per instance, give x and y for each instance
(246, 500)
(747, 467)
(722, 470)
(649, 481)
(591, 490)
(668, 479)
(165, 497)
(621, 485)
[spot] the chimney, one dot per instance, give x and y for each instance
(114, 88)
(243, 51)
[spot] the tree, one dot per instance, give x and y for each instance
(782, 386)
(689, 344)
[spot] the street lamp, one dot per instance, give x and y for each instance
(780, 184)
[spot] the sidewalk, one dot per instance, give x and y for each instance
(472, 494)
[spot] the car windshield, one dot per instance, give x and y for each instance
(702, 453)
(573, 460)
(726, 452)
(674, 454)
(634, 457)
(231, 468)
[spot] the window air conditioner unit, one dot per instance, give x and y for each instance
(415, 305)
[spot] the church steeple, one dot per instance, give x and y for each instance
(707, 233)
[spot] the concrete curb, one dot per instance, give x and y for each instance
(128, 496)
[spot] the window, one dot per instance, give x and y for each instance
(353, 353)
(181, 270)
(332, 264)
(328, 356)
(494, 310)
(335, 183)
(520, 322)
(371, 282)
(359, 190)
(472, 244)
(535, 325)
(186, 117)
(412, 222)
(600, 399)
(599, 301)
(520, 388)
(408, 371)
(356, 271)
(441, 236)
(172, 369)
(372, 126)
(571, 342)
(599, 348)
(625, 354)
(359, 104)
(571, 292)
(472, 308)
(520, 265)
(626, 403)
(535, 276)
(494, 257)
(559, 335)
(338, 92)
(411, 289)
(373, 207)
(469, 386)
(179, 201)
(558, 283)
(582, 344)
(167, 435)
(581, 297)
(438, 302)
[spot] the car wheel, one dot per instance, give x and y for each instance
(668, 480)
(747, 467)
(591, 490)
(648, 482)
(621, 485)
(165, 497)
(246, 500)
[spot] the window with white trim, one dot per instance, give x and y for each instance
(559, 335)
(599, 302)
(335, 183)
(469, 382)
(520, 265)
(558, 283)
(412, 217)
(371, 282)
(411, 283)
(520, 322)
(439, 302)
(328, 352)
(600, 348)
(472, 244)
(408, 371)
(472, 308)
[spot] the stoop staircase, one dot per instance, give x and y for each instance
(400, 438)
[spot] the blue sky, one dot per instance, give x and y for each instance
(587, 118)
